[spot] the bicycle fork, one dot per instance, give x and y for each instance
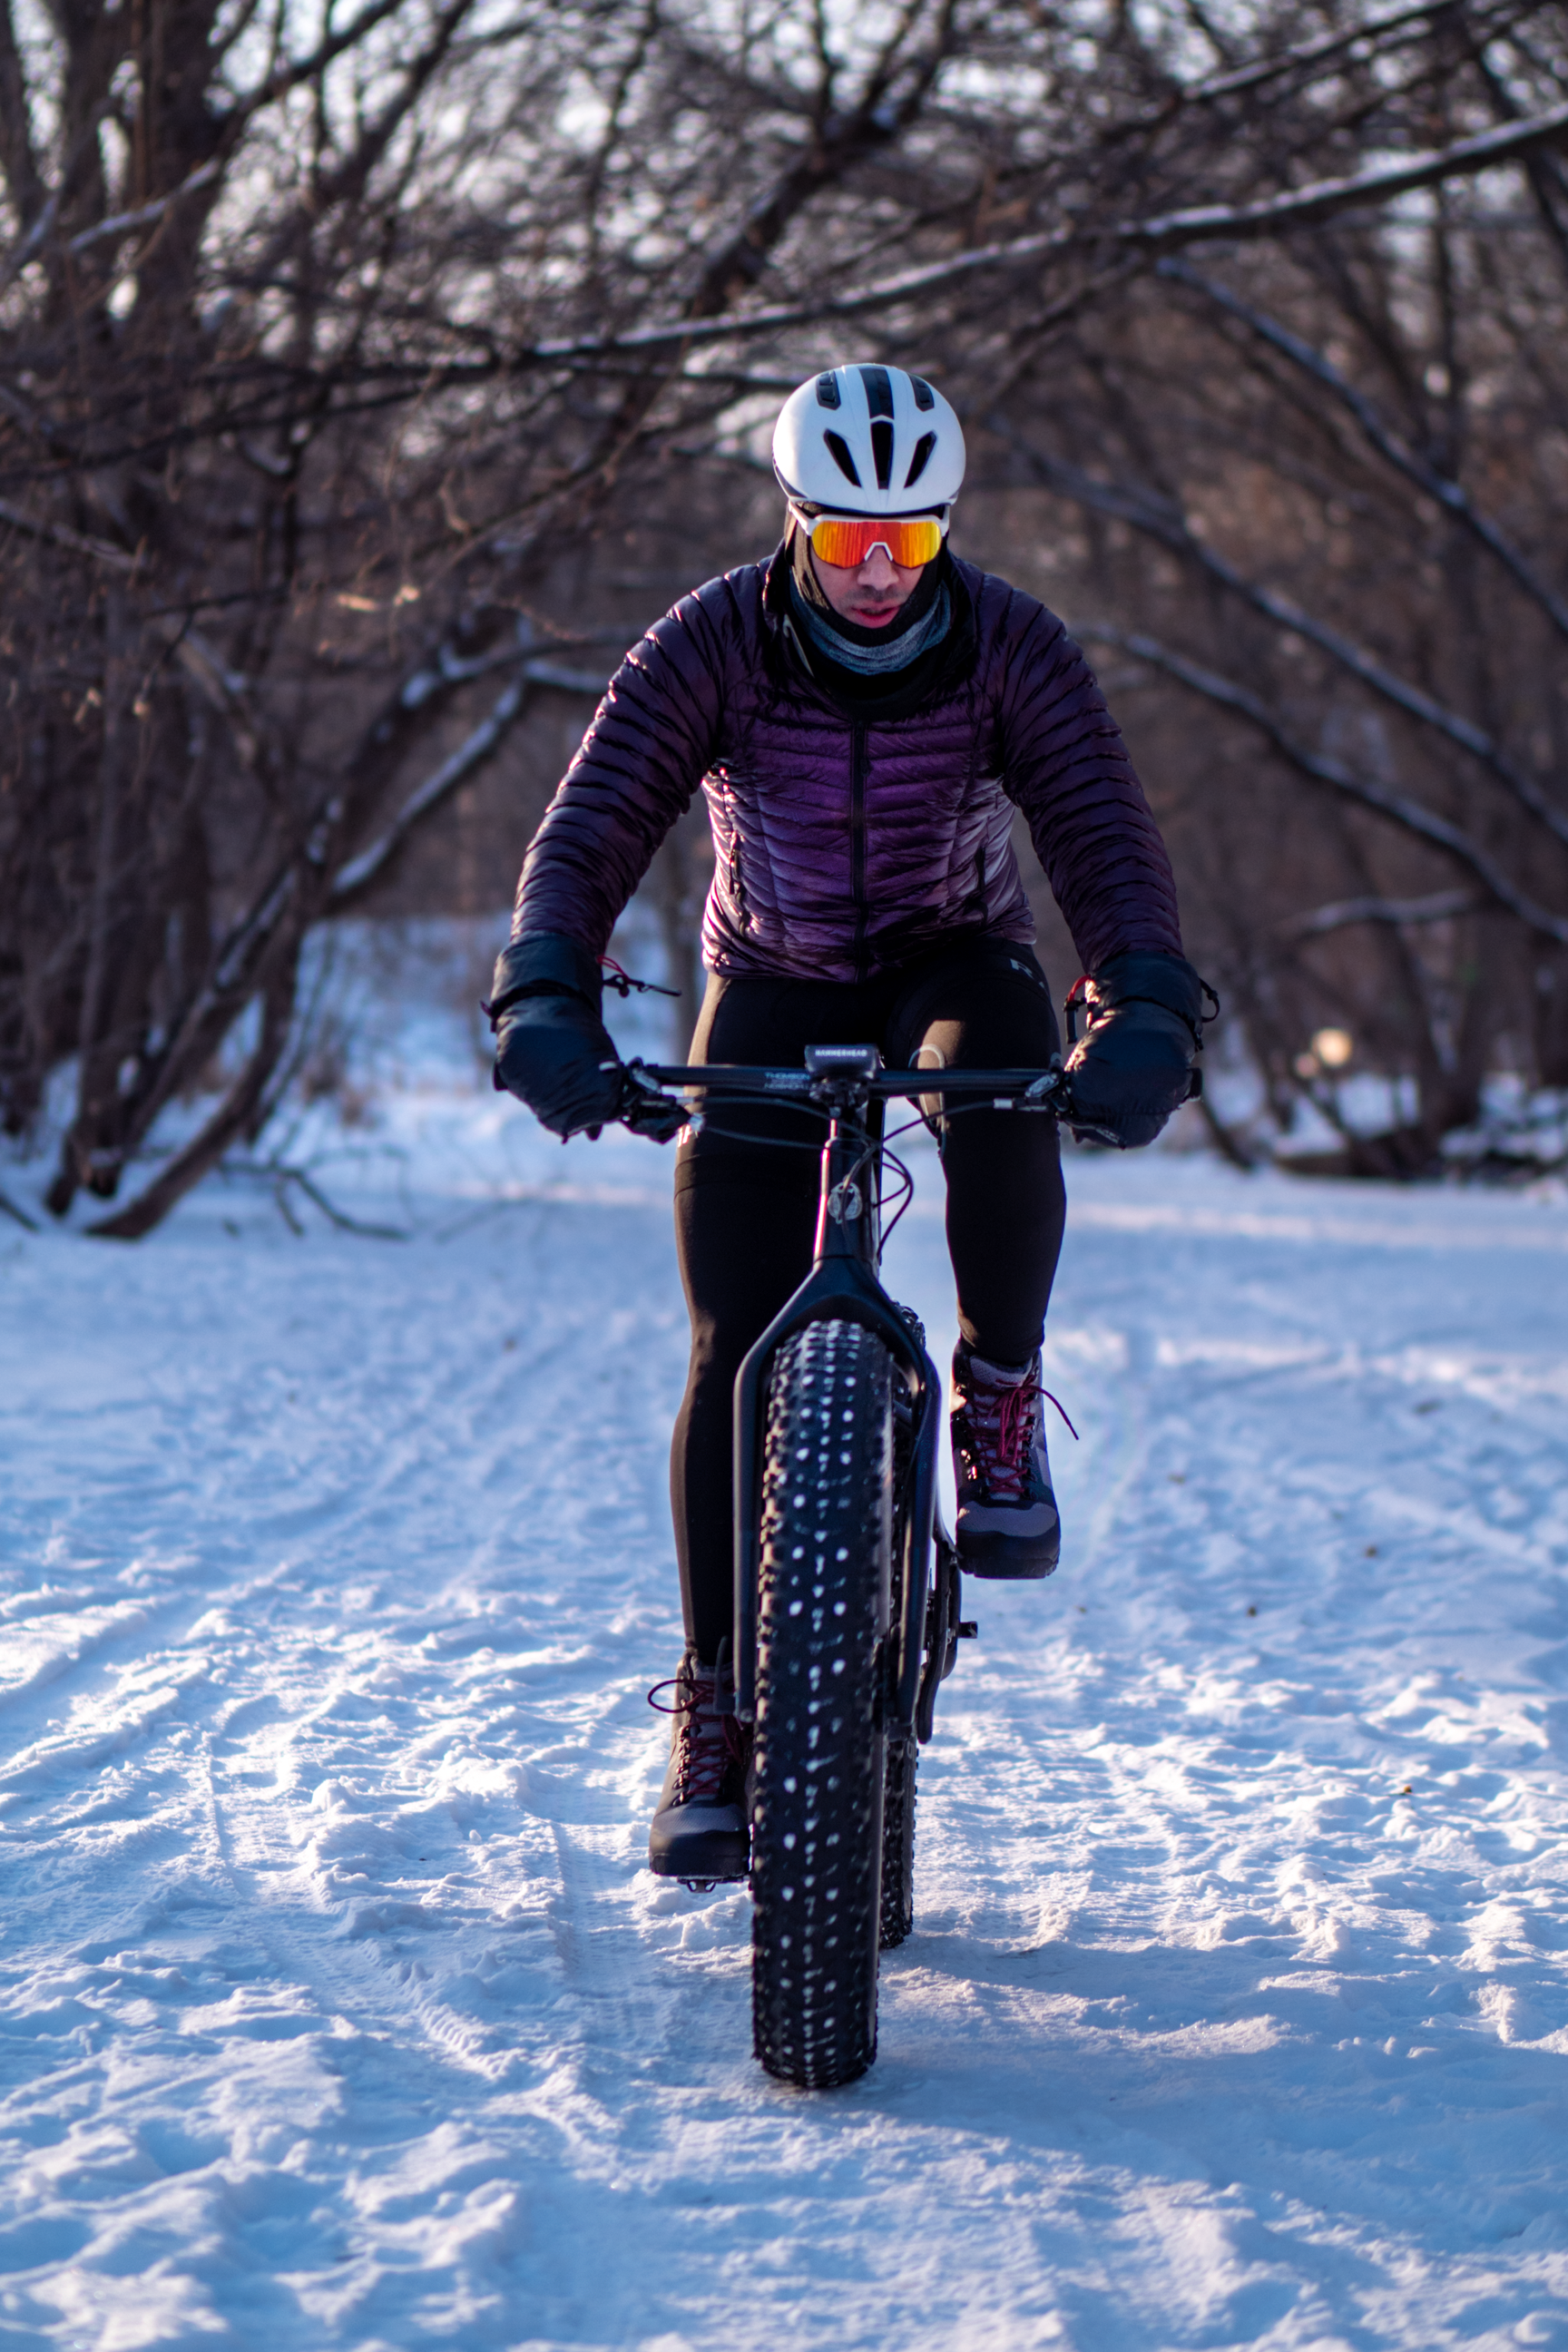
(843, 1285)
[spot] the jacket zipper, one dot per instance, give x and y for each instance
(859, 765)
(738, 882)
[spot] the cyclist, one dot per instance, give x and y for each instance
(863, 712)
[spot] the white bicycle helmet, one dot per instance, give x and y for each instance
(866, 439)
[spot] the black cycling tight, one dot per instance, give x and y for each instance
(745, 1211)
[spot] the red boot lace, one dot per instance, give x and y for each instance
(1015, 1422)
(710, 1746)
(1001, 1422)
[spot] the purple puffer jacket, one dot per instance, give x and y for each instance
(844, 845)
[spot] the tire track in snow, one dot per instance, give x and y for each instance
(433, 2059)
(1175, 1750)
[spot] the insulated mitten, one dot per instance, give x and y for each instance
(552, 1046)
(1135, 1063)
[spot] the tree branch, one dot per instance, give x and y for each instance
(1440, 907)
(290, 76)
(8, 1209)
(1198, 225)
(1448, 493)
(231, 1119)
(1324, 769)
(23, 176)
(1300, 208)
(1322, 51)
(281, 1173)
(1171, 529)
(121, 224)
(353, 880)
(60, 534)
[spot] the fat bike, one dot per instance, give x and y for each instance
(848, 1612)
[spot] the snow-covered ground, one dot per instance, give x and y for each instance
(337, 2009)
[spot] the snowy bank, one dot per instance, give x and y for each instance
(339, 2009)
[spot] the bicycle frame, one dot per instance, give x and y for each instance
(844, 1283)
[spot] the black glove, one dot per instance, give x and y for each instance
(1135, 1063)
(551, 1047)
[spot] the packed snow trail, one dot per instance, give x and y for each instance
(339, 2008)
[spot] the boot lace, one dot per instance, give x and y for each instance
(1016, 1420)
(710, 1748)
(997, 1434)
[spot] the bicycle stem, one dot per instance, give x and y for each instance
(847, 1218)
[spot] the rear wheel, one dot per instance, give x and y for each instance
(818, 1762)
(899, 1842)
(898, 1897)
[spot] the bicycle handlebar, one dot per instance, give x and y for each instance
(1029, 1089)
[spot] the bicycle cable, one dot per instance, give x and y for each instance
(703, 1125)
(876, 1153)
(879, 1151)
(773, 1142)
(888, 1230)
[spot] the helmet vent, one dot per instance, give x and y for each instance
(923, 448)
(882, 451)
(827, 393)
(838, 449)
(879, 393)
(924, 396)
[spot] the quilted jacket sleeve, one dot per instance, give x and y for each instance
(1066, 765)
(652, 739)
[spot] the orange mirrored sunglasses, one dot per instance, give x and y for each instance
(846, 541)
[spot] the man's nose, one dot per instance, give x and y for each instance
(877, 571)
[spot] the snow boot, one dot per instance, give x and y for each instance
(1007, 1521)
(702, 1829)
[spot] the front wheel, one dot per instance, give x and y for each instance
(818, 1762)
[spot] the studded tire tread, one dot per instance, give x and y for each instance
(819, 1758)
(897, 1896)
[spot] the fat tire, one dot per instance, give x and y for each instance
(818, 1761)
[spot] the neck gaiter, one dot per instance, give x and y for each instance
(920, 625)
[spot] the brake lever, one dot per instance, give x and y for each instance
(646, 1108)
(1055, 1090)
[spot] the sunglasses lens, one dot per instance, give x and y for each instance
(847, 540)
(838, 540)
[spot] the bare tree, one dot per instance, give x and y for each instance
(1321, 482)
(345, 356)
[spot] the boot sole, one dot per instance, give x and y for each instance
(1000, 1559)
(714, 1858)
